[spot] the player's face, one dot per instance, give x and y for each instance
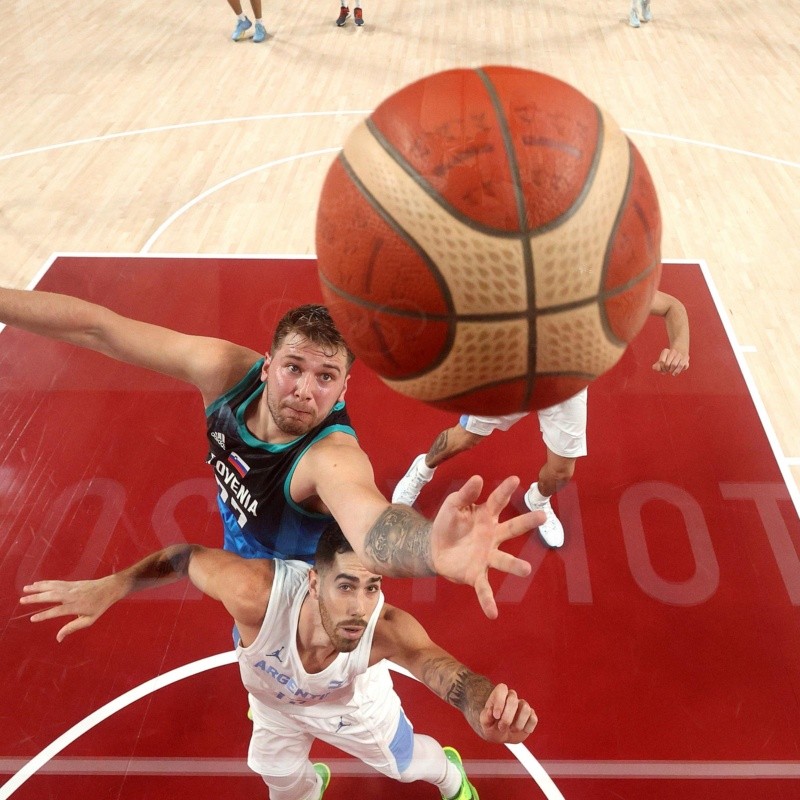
(347, 594)
(303, 384)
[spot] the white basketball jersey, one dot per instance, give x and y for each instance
(273, 673)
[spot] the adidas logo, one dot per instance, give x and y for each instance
(219, 438)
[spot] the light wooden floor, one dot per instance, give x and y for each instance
(139, 127)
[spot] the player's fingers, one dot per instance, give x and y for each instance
(468, 493)
(499, 498)
(40, 586)
(505, 562)
(486, 597)
(525, 719)
(496, 700)
(509, 710)
(76, 625)
(50, 613)
(520, 524)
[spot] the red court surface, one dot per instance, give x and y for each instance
(660, 647)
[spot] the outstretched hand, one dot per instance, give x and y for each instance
(84, 600)
(465, 538)
(505, 719)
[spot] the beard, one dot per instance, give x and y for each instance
(341, 644)
(287, 421)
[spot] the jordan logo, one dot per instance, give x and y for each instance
(276, 654)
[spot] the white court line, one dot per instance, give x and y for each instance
(103, 713)
(521, 753)
(769, 430)
(181, 126)
(525, 758)
(712, 146)
(362, 112)
(483, 768)
(252, 171)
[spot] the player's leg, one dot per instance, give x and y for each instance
(260, 32)
(242, 24)
(390, 746)
(469, 431)
(344, 13)
(633, 17)
(563, 429)
(278, 752)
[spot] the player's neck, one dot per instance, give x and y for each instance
(260, 423)
(313, 643)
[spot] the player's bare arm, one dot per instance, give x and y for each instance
(212, 365)
(462, 542)
(494, 712)
(389, 539)
(674, 359)
(242, 586)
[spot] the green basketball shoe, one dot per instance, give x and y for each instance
(467, 791)
(324, 771)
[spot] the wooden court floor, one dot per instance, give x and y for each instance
(142, 130)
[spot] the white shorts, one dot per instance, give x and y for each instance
(563, 425)
(378, 733)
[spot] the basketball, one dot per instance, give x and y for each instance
(488, 240)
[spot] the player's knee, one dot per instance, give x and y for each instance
(562, 471)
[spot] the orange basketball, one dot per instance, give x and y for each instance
(488, 240)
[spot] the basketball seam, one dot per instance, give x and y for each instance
(451, 317)
(522, 219)
(588, 376)
(508, 316)
(612, 337)
(434, 195)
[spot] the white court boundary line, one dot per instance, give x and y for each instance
(523, 755)
(362, 112)
(180, 126)
(784, 463)
(227, 182)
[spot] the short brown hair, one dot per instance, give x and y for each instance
(314, 322)
(330, 544)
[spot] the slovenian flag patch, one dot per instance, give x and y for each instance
(237, 462)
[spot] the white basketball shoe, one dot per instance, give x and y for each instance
(410, 485)
(647, 14)
(551, 530)
(633, 17)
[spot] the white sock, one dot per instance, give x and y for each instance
(452, 781)
(424, 469)
(535, 495)
(242, 16)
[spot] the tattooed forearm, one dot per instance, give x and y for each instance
(173, 562)
(439, 446)
(458, 685)
(400, 541)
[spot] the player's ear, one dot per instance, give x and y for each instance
(265, 366)
(344, 388)
(313, 583)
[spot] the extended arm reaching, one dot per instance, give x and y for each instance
(494, 711)
(88, 600)
(461, 543)
(212, 365)
(242, 586)
(673, 359)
